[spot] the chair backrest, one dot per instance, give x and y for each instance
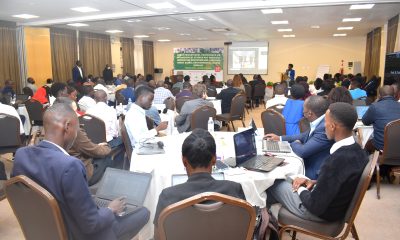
(149, 122)
(304, 125)
(200, 116)
(94, 127)
(273, 122)
(226, 218)
(211, 92)
(180, 101)
(126, 140)
(34, 109)
(391, 151)
(119, 98)
(278, 107)
(247, 89)
(27, 91)
(237, 106)
(359, 102)
(259, 90)
(36, 209)
(175, 91)
(10, 132)
(21, 97)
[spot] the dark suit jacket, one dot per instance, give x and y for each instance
(65, 178)
(76, 75)
(314, 149)
(197, 183)
(226, 97)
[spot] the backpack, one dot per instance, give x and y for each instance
(266, 226)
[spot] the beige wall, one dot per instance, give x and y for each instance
(116, 55)
(305, 54)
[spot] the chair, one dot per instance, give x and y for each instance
(127, 143)
(236, 112)
(259, 92)
(273, 122)
(304, 125)
(226, 218)
(391, 152)
(199, 117)
(249, 100)
(36, 209)
(10, 139)
(180, 101)
(94, 127)
(330, 230)
(175, 91)
(278, 108)
(27, 91)
(211, 92)
(35, 113)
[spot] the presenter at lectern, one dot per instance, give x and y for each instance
(290, 72)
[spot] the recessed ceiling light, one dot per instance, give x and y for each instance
(285, 30)
(201, 19)
(184, 34)
(351, 19)
(162, 28)
(194, 19)
(201, 39)
(133, 20)
(85, 9)
(361, 6)
(219, 29)
(164, 40)
(114, 31)
(289, 36)
(151, 33)
(25, 16)
(279, 22)
(78, 24)
(141, 36)
(230, 34)
(340, 35)
(345, 28)
(161, 5)
(315, 26)
(273, 10)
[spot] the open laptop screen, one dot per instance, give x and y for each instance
(245, 146)
(361, 110)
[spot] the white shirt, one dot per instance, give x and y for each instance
(315, 123)
(6, 109)
(109, 117)
(51, 100)
(80, 71)
(62, 149)
(136, 125)
(344, 142)
(86, 102)
(160, 94)
(102, 87)
(278, 99)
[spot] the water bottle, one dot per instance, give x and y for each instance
(129, 104)
(210, 125)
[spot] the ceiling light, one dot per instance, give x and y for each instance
(340, 35)
(351, 19)
(361, 6)
(78, 24)
(285, 30)
(201, 19)
(273, 10)
(133, 20)
(161, 5)
(315, 26)
(219, 30)
(25, 16)
(345, 28)
(192, 20)
(289, 36)
(184, 34)
(201, 39)
(162, 28)
(85, 9)
(114, 31)
(141, 36)
(230, 34)
(279, 22)
(164, 40)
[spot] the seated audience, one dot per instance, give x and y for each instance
(293, 110)
(198, 157)
(226, 96)
(340, 94)
(58, 89)
(49, 165)
(371, 87)
(327, 86)
(186, 91)
(355, 90)
(312, 146)
(318, 86)
(279, 98)
(244, 80)
(328, 197)
(168, 82)
(72, 93)
(129, 91)
(186, 79)
(237, 82)
(306, 89)
(87, 100)
(152, 84)
(42, 95)
(9, 110)
(135, 120)
(184, 118)
(8, 88)
(179, 82)
(119, 80)
(257, 80)
(161, 93)
(31, 84)
(101, 85)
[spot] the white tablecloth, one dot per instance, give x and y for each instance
(217, 105)
(27, 124)
(365, 132)
(163, 166)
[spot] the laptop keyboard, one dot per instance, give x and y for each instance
(272, 146)
(101, 202)
(266, 163)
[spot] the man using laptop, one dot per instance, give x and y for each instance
(198, 157)
(49, 165)
(313, 146)
(328, 197)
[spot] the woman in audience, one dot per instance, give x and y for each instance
(293, 110)
(340, 94)
(306, 88)
(31, 84)
(237, 82)
(327, 86)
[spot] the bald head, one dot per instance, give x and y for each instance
(100, 96)
(160, 83)
(386, 90)
(280, 89)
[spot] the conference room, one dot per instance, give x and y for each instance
(105, 58)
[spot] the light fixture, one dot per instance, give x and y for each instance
(279, 22)
(361, 6)
(25, 16)
(201, 39)
(272, 10)
(340, 35)
(230, 34)
(285, 30)
(133, 20)
(141, 36)
(164, 40)
(289, 36)
(78, 24)
(184, 34)
(194, 19)
(219, 29)
(114, 31)
(161, 5)
(85, 9)
(351, 19)
(162, 28)
(345, 28)
(315, 26)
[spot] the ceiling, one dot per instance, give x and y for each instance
(192, 20)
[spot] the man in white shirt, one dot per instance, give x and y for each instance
(6, 109)
(87, 101)
(101, 85)
(135, 119)
(279, 98)
(161, 93)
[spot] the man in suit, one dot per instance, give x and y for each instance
(290, 72)
(49, 165)
(313, 146)
(226, 96)
(198, 157)
(77, 73)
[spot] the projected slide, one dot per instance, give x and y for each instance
(248, 58)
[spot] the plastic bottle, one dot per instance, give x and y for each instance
(210, 125)
(129, 104)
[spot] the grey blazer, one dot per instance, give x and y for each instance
(184, 118)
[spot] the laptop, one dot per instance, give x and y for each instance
(117, 183)
(361, 110)
(277, 147)
(182, 178)
(246, 153)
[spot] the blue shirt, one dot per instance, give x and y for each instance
(293, 112)
(291, 74)
(128, 93)
(118, 82)
(358, 93)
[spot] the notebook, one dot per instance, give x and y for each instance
(361, 110)
(278, 147)
(117, 183)
(246, 153)
(182, 178)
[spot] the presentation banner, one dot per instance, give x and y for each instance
(197, 62)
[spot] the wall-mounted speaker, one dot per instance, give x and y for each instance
(158, 70)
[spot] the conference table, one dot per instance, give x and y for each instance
(163, 166)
